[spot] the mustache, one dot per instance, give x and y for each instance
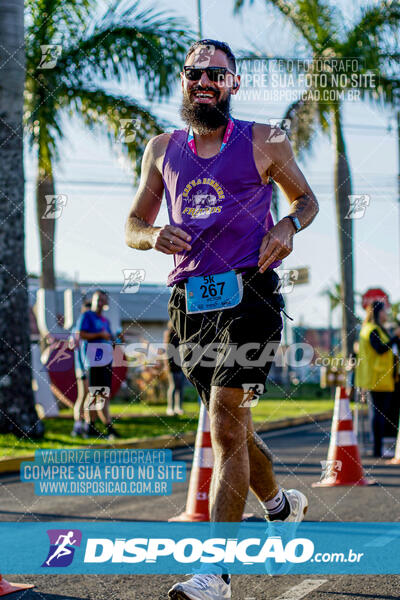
(203, 89)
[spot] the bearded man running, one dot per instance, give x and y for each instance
(216, 176)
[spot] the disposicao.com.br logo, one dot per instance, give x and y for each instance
(193, 550)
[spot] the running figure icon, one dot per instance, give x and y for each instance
(62, 549)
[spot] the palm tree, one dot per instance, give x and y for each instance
(324, 29)
(75, 60)
(17, 411)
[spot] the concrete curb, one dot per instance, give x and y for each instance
(12, 465)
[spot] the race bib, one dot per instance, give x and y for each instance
(213, 292)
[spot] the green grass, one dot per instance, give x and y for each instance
(265, 410)
(149, 424)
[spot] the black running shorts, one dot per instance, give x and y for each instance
(100, 376)
(233, 347)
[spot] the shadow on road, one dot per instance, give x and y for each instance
(32, 595)
(358, 595)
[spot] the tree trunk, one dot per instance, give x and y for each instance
(345, 232)
(330, 326)
(17, 410)
(46, 226)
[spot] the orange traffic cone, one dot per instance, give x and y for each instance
(396, 459)
(343, 465)
(6, 587)
(200, 478)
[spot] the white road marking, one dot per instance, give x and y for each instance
(299, 591)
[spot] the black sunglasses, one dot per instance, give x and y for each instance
(214, 74)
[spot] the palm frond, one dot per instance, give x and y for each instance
(387, 91)
(368, 34)
(334, 294)
(303, 125)
(122, 119)
(146, 43)
(239, 4)
(43, 125)
(46, 19)
(316, 20)
(322, 21)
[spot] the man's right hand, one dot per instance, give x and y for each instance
(105, 335)
(171, 240)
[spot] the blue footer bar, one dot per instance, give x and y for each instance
(248, 547)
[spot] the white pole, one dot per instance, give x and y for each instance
(200, 27)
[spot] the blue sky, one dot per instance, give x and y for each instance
(90, 240)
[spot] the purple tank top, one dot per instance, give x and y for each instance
(220, 201)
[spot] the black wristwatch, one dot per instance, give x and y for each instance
(295, 222)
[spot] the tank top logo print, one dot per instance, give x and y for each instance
(202, 197)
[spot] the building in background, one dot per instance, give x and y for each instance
(322, 339)
(142, 315)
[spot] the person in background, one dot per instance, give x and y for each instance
(80, 374)
(176, 377)
(375, 369)
(94, 328)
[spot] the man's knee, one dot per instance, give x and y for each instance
(227, 435)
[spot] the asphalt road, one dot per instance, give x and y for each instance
(297, 453)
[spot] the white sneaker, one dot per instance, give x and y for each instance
(170, 412)
(179, 411)
(201, 587)
(298, 506)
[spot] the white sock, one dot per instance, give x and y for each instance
(276, 504)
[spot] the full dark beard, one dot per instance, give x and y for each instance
(205, 118)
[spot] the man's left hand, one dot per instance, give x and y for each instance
(276, 244)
